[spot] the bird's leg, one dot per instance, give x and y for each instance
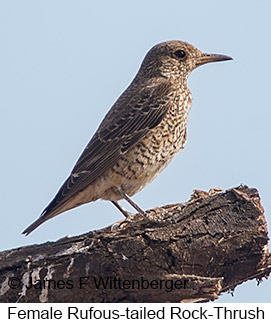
(130, 201)
(128, 216)
(122, 210)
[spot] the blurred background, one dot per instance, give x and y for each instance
(64, 63)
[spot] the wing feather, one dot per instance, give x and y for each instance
(131, 117)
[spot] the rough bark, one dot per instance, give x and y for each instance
(188, 252)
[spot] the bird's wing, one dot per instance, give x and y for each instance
(131, 117)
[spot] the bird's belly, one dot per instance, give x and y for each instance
(140, 165)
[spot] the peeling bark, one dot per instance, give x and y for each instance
(190, 252)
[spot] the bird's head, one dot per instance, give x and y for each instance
(176, 59)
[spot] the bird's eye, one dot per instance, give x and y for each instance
(180, 53)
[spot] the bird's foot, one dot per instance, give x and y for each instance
(132, 218)
(116, 226)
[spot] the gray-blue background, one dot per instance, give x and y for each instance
(64, 63)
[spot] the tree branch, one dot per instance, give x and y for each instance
(189, 253)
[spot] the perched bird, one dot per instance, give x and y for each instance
(140, 134)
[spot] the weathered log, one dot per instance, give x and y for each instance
(189, 252)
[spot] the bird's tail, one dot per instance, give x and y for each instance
(52, 209)
(33, 226)
(45, 215)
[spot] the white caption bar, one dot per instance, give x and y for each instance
(212, 312)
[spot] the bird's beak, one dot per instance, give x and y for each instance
(209, 58)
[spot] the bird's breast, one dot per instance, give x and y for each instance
(150, 155)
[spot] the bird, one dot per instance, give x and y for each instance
(139, 136)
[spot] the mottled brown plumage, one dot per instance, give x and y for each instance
(139, 136)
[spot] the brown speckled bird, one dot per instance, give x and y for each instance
(140, 134)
